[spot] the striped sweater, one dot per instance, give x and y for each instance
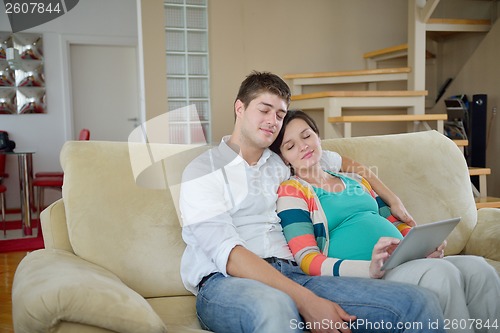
(306, 229)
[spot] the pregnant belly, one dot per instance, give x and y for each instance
(355, 238)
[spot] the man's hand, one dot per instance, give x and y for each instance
(381, 251)
(398, 210)
(314, 309)
(324, 316)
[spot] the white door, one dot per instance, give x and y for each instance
(105, 90)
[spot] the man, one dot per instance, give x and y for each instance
(237, 260)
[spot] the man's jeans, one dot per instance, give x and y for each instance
(232, 305)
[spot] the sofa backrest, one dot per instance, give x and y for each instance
(130, 230)
(426, 170)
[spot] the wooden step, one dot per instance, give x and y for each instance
(458, 25)
(487, 202)
(392, 52)
(333, 102)
(388, 118)
(461, 143)
(482, 173)
(361, 93)
(419, 119)
(360, 72)
(343, 77)
(473, 171)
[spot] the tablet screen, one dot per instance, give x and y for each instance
(421, 241)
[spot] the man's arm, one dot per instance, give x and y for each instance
(397, 208)
(245, 264)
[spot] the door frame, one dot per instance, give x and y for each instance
(67, 41)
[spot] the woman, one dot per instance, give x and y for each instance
(336, 225)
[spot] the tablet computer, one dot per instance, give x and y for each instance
(420, 241)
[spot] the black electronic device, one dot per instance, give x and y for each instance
(478, 110)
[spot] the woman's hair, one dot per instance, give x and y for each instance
(291, 115)
(261, 82)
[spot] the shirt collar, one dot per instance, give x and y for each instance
(235, 157)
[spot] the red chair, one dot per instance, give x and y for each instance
(3, 174)
(42, 183)
(84, 135)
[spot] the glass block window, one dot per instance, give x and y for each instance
(188, 84)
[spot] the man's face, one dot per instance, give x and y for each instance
(262, 119)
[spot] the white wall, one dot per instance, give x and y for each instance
(46, 133)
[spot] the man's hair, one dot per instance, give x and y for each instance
(257, 83)
(291, 115)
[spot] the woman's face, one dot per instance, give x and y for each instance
(301, 146)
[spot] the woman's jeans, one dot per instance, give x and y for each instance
(232, 305)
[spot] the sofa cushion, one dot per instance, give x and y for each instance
(129, 230)
(426, 170)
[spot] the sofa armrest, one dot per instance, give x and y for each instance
(54, 227)
(52, 286)
(485, 238)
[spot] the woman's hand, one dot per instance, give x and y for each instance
(381, 251)
(439, 253)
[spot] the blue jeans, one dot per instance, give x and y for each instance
(232, 305)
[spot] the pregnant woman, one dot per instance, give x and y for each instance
(336, 225)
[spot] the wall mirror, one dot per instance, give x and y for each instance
(22, 80)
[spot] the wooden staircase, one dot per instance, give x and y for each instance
(417, 119)
(480, 194)
(424, 33)
(372, 58)
(414, 97)
(355, 76)
(332, 104)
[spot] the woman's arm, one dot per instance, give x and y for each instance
(397, 208)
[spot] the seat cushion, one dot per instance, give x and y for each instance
(179, 312)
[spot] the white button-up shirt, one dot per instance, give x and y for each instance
(226, 202)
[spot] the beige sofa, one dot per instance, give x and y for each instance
(113, 248)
